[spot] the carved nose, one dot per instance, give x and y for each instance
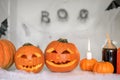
(29, 57)
(58, 57)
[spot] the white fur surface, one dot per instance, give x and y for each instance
(45, 74)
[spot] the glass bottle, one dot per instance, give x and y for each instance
(109, 53)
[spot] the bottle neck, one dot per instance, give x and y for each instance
(110, 45)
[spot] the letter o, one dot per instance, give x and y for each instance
(62, 14)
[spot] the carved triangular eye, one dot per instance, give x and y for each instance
(66, 52)
(54, 51)
(51, 50)
(23, 56)
(34, 56)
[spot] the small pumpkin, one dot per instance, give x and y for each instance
(61, 56)
(103, 67)
(87, 63)
(7, 51)
(29, 58)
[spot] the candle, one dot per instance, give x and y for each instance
(89, 54)
(88, 44)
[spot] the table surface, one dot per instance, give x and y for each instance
(45, 74)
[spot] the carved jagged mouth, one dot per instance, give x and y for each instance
(63, 64)
(60, 62)
(30, 68)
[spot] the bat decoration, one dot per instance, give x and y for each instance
(3, 27)
(113, 4)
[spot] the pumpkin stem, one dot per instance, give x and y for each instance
(27, 44)
(63, 40)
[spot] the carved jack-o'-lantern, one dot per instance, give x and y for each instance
(61, 56)
(29, 58)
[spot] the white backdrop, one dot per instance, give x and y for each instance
(3, 10)
(26, 23)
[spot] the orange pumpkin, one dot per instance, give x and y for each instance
(103, 67)
(61, 56)
(29, 58)
(7, 51)
(87, 64)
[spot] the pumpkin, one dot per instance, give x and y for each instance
(87, 63)
(7, 51)
(118, 61)
(61, 56)
(103, 67)
(29, 58)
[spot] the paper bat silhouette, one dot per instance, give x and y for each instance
(114, 4)
(3, 27)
